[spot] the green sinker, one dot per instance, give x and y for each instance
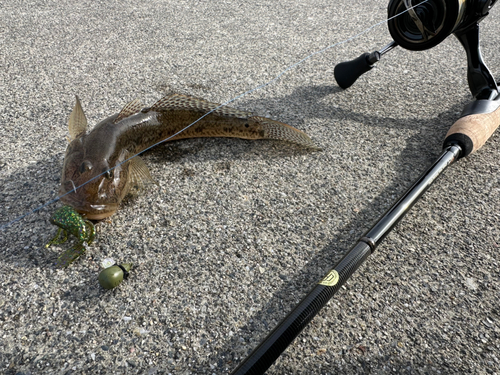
(71, 222)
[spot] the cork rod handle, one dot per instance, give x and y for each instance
(474, 130)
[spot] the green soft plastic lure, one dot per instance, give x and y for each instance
(71, 222)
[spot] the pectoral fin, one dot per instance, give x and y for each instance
(77, 122)
(139, 173)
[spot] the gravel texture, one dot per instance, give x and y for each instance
(239, 231)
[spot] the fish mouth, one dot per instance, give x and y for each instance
(88, 210)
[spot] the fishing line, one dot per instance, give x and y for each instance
(4, 226)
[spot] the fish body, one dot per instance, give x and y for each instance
(90, 155)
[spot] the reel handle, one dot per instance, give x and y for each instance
(346, 73)
(479, 121)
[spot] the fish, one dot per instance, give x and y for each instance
(97, 174)
(101, 167)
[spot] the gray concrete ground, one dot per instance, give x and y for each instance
(239, 231)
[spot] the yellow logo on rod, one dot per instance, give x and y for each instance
(331, 279)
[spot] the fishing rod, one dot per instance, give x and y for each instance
(422, 27)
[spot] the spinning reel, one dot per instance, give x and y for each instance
(418, 25)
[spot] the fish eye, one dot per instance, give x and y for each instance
(108, 175)
(85, 166)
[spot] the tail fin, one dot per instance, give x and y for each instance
(281, 131)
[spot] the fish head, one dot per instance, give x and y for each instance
(92, 184)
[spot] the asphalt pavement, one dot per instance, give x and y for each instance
(238, 231)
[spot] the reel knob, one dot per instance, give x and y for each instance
(425, 25)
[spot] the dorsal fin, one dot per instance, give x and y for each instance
(77, 123)
(130, 108)
(184, 102)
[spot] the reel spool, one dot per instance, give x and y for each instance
(426, 25)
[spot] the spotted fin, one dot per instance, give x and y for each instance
(139, 172)
(77, 122)
(284, 132)
(130, 108)
(180, 102)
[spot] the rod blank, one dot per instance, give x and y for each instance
(290, 327)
